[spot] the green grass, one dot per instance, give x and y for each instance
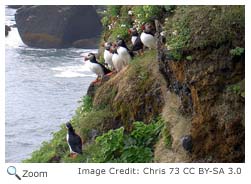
(112, 146)
(238, 88)
(192, 27)
(119, 146)
(237, 51)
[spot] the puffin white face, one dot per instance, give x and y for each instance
(108, 45)
(148, 26)
(90, 56)
(113, 48)
(133, 31)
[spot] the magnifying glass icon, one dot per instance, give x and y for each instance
(13, 171)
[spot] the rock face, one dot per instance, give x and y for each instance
(7, 30)
(15, 6)
(208, 76)
(58, 26)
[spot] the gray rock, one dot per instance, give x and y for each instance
(90, 43)
(186, 142)
(55, 26)
(14, 6)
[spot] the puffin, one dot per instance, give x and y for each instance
(96, 67)
(124, 53)
(108, 55)
(117, 60)
(147, 36)
(135, 39)
(74, 141)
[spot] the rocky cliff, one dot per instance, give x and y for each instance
(204, 65)
(191, 86)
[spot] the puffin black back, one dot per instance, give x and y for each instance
(74, 141)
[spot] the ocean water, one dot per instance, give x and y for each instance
(42, 90)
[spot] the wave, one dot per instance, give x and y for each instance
(72, 71)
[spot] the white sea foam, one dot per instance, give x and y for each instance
(73, 71)
(13, 39)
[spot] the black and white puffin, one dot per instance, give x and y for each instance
(147, 36)
(96, 67)
(117, 60)
(136, 41)
(108, 55)
(123, 51)
(74, 141)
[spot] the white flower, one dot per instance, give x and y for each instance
(130, 12)
(174, 32)
(163, 33)
(169, 47)
(122, 25)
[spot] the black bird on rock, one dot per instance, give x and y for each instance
(124, 53)
(74, 141)
(96, 67)
(122, 48)
(147, 36)
(136, 41)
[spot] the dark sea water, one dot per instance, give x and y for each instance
(42, 90)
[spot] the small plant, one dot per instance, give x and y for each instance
(105, 21)
(113, 10)
(189, 58)
(117, 146)
(137, 154)
(235, 89)
(175, 54)
(177, 38)
(86, 104)
(237, 51)
(120, 31)
(147, 13)
(146, 135)
(167, 137)
(110, 144)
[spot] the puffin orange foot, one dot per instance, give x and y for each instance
(109, 74)
(73, 155)
(96, 81)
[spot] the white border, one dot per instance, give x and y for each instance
(67, 172)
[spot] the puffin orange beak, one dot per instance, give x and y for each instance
(143, 27)
(129, 31)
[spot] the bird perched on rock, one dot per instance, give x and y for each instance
(147, 36)
(96, 67)
(108, 55)
(123, 51)
(117, 60)
(186, 142)
(74, 141)
(136, 41)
